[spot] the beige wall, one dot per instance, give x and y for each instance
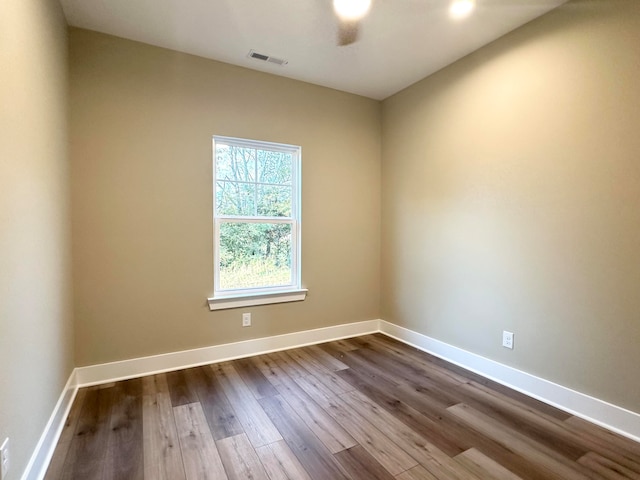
(36, 348)
(511, 194)
(142, 119)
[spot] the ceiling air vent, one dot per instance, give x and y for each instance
(266, 58)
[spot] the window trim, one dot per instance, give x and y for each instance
(264, 298)
(292, 292)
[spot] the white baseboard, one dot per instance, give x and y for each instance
(607, 415)
(39, 461)
(137, 367)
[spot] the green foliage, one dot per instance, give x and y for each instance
(245, 243)
(254, 183)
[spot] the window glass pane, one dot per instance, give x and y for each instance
(235, 198)
(254, 255)
(274, 167)
(235, 163)
(274, 201)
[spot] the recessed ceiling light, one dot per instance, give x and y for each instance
(461, 8)
(351, 9)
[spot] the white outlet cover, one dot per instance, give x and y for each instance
(4, 458)
(507, 339)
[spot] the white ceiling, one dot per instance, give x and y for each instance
(401, 41)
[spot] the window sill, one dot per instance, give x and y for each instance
(248, 300)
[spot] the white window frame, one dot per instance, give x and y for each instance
(234, 298)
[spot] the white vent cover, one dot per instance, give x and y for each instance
(266, 58)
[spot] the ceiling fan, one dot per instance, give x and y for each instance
(350, 12)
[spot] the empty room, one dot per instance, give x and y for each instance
(319, 239)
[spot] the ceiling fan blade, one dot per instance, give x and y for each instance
(347, 32)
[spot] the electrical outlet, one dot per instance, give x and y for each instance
(507, 339)
(246, 319)
(4, 459)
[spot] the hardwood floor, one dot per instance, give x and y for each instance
(365, 408)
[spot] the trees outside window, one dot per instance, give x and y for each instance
(256, 216)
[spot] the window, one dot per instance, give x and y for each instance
(256, 189)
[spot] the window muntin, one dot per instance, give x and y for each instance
(256, 217)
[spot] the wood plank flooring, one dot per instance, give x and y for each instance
(367, 408)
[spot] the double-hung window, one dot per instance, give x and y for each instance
(256, 189)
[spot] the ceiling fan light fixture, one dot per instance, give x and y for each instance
(351, 10)
(461, 8)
